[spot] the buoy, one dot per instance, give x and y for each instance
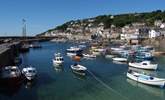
(76, 58)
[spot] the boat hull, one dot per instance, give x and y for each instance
(120, 59)
(148, 67)
(158, 82)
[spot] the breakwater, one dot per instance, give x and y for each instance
(8, 51)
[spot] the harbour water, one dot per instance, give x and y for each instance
(105, 80)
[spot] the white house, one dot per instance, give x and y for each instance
(153, 34)
(162, 25)
(123, 36)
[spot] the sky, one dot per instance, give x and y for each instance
(41, 15)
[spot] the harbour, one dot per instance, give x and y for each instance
(82, 50)
(104, 78)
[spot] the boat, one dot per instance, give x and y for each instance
(10, 74)
(144, 55)
(58, 60)
(29, 72)
(82, 46)
(24, 48)
(78, 69)
(143, 65)
(89, 56)
(73, 51)
(120, 59)
(145, 79)
(35, 45)
(109, 56)
(97, 51)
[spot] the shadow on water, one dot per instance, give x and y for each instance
(25, 90)
(9, 89)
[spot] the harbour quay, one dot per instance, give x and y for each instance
(8, 51)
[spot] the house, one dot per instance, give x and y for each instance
(162, 25)
(123, 36)
(153, 34)
(158, 23)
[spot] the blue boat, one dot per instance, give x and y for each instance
(144, 55)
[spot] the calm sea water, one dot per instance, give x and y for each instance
(105, 80)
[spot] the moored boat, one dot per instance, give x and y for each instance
(24, 48)
(145, 79)
(29, 72)
(58, 60)
(78, 69)
(89, 56)
(144, 55)
(144, 65)
(73, 51)
(109, 56)
(10, 74)
(120, 59)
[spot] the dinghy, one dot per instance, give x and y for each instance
(146, 79)
(144, 65)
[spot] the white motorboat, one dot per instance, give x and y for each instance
(145, 79)
(58, 60)
(73, 51)
(29, 72)
(10, 72)
(78, 69)
(120, 59)
(89, 56)
(144, 65)
(109, 56)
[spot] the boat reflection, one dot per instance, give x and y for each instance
(117, 62)
(79, 75)
(58, 68)
(29, 84)
(153, 90)
(148, 72)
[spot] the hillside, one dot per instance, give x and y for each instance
(112, 20)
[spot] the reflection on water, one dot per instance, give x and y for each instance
(9, 89)
(58, 68)
(154, 90)
(148, 72)
(29, 84)
(118, 62)
(79, 75)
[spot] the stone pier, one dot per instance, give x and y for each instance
(8, 51)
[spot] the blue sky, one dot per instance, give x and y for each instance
(42, 15)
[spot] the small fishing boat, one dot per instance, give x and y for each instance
(58, 60)
(109, 56)
(89, 56)
(73, 51)
(144, 55)
(120, 59)
(145, 79)
(29, 72)
(35, 45)
(24, 47)
(78, 69)
(144, 65)
(10, 75)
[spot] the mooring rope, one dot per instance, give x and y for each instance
(107, 86)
